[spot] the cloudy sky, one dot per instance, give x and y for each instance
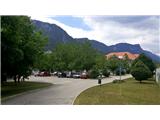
(143, 30)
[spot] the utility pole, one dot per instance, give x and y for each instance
(120, 70)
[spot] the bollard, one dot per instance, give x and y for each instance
(99, 81)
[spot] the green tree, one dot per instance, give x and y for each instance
(140, 71)
(44, 63)
(88, 55)
(94, 72)
(126, 57)
(101, 65)
(113, 63)
(147, 61)
(62, 55)
(20, 45)
(73, 56)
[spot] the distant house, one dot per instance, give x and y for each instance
(123, 55)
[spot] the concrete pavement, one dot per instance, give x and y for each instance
(63, 92)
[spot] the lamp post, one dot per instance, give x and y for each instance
(120, 69)
(120, 65)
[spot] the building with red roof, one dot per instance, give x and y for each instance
(122, 55)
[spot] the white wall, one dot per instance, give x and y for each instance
(158, 75)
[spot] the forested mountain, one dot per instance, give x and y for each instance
(58, 35)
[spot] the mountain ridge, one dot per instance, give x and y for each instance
(57, 35)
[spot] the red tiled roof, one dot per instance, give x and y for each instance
(122, 54)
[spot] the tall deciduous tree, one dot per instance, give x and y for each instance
(44, 63)
(73, 56)
(113, 63)
(21, 45)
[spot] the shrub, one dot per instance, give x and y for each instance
(118, 81)
(122, 71)
(93, 73)
(140, 71)
(128, 71)
(147, 61)
(106, 73)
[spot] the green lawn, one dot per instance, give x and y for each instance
(10, 88)
(130, 92)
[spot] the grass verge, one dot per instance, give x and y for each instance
(10, 88)
(129, 92)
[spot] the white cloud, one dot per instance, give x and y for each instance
(72, 31)
(144, 32)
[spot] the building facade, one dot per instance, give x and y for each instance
(123, 55)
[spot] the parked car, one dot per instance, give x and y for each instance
(46, 73)
(35, 73)
(61, 74)
(69, 74)
(42, 74)
(84, 75)
(76, 75)
(55, 73)
(38, 74)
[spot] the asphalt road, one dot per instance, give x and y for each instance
(63, 92)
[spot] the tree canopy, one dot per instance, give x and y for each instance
(21, 45)
(147, 61)
(73, 56)
(140, 71)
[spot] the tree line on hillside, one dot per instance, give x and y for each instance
(23, 51)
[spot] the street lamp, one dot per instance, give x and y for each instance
(120, 65)
(120, 69)
(120, 72)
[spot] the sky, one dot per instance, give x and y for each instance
(110, 30)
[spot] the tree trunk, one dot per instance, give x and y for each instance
(19, 78)
(23, 78)
(140, 81)
(4, 78)
(15, 79)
